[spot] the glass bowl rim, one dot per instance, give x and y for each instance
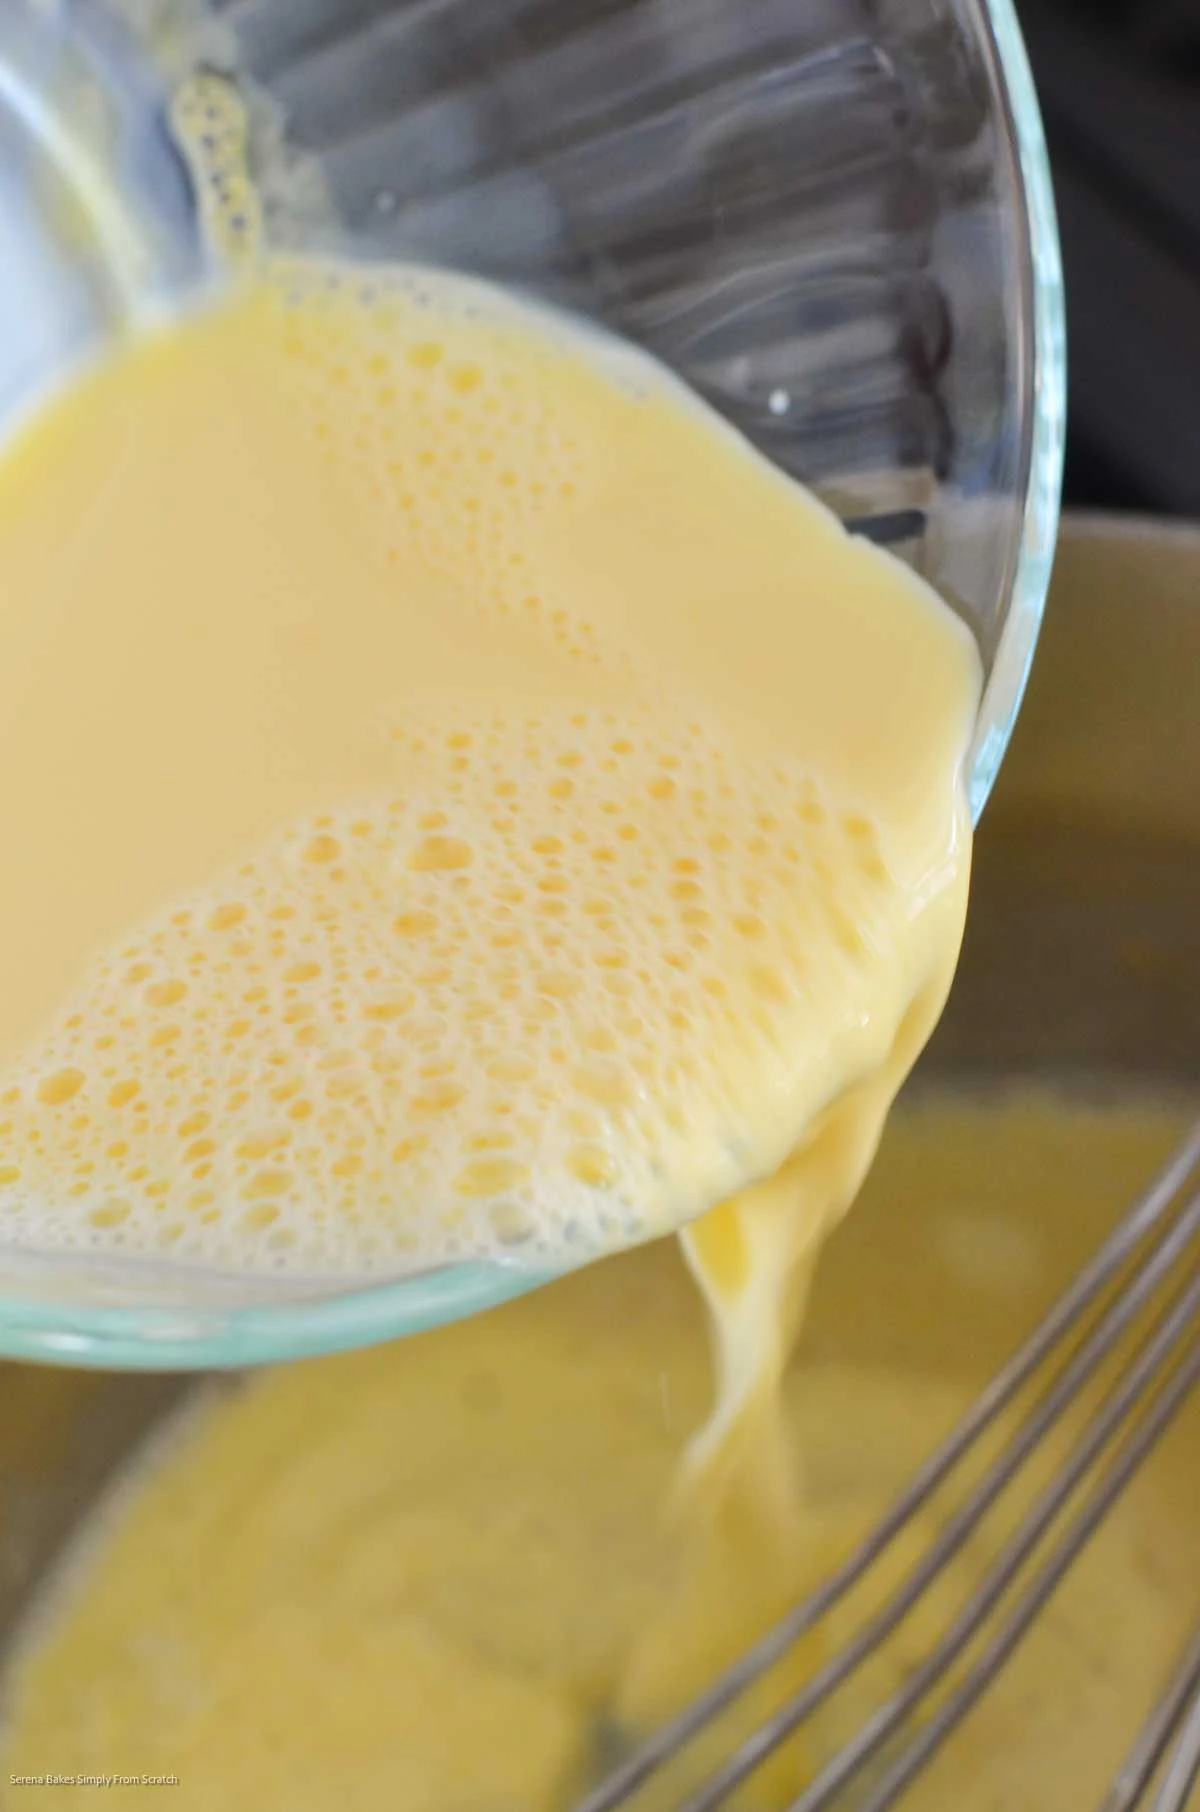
(167, 1338)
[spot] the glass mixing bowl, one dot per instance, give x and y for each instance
(834, 220)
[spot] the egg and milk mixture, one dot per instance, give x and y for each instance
(462, 804)
(457, 1573)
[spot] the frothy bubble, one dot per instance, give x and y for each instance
(544, 999)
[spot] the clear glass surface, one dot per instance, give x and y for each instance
(834, 220)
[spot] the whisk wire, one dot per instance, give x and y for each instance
(1140, 1766)
(933, 1669)
(1157, 1352)
(932, 1734)
(1183, 1769)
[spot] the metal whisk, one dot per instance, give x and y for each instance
(1147, 1262)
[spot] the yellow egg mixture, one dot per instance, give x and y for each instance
(464, 803)
(468, 803)
(461, 803)
(453, 1574)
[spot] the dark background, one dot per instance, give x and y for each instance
(1120, 88)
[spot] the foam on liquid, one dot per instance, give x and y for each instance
(460, 801)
